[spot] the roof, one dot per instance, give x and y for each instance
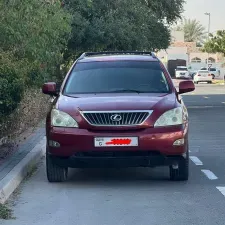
(117, 56)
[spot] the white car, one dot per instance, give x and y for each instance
(215, 72)
(182, 72)
(203, 76)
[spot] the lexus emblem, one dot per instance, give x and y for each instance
(116, 117)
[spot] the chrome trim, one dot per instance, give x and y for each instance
(124, 120)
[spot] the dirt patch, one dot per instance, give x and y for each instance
(218, 81)
(6, 150)
(9, 148)
(22, 123)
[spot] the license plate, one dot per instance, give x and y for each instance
(115, 141)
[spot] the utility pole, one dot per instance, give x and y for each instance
(209, 15)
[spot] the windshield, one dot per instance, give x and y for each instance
(181, 69)
(122, 76)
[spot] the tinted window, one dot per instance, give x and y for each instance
(212, 69)
(181, 69)
(122, 76)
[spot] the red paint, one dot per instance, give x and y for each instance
(186, 86)
(119, 142)
(76, 140)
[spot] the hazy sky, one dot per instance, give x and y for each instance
(195, 9)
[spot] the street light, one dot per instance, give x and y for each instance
(208, 14)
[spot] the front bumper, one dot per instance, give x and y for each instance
(186, 76)
(90, 160)
(74, 141)
(203, 79)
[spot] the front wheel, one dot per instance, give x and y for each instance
(181, 173)
(54, 172)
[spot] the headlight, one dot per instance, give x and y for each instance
(62, 119)
(170, 118)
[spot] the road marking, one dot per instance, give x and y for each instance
(205, 107)
(196, 160)
(222, 190)
(223, 102)
(210, 174)
(206, 97)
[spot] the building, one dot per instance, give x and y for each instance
(181, 50)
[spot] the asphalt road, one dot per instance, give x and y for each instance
(140, 196)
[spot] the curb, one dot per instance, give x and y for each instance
(13, 179)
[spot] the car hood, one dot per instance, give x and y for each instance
(101, 102)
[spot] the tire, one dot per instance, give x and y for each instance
(182, 173)
(54, 172)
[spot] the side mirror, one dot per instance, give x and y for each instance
(50, 89)
(186, 86)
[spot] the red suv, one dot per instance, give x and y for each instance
(117, 109)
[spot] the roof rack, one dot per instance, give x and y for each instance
(86, 54)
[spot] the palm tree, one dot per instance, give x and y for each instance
(193, 31)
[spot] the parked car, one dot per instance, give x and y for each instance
(117, 109)
(182, 72)
(215, 72)
(203, 76)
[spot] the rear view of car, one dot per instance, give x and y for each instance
(215, 72)
(203, 76)
(182, 72)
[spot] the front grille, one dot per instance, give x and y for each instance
(116, 118)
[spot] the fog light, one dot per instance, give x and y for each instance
(54, 144)
(179, 142)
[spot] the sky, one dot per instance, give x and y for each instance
(195, 9)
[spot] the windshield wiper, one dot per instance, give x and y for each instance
(126, 90)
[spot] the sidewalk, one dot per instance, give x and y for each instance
(15, 167)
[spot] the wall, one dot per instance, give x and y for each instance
(173, 53)
(177, 36)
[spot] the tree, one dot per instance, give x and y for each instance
(121, 24)
(36, 30)
(193, 31)
(216, 43)
(169, 10)
(34, 34)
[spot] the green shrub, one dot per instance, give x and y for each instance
(12, 82)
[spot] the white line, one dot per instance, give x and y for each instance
(222, 190)
(210, 174)
(205, 107)
(201, 107)
(196, 160)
